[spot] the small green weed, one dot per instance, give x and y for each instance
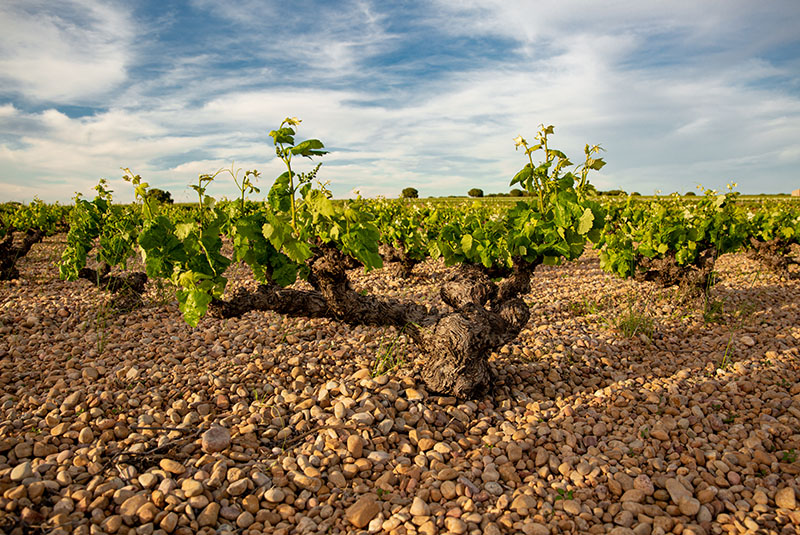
(563, 495)
(634, 321)
(730, 418)
(789, 456)
(102, 318)
(388, 358)
(585, 307)
(713, 310)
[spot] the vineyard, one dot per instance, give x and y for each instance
(557, 364)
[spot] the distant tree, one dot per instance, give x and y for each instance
(636, 194)
(160, 196)
(475, 192)
(516, 192)
(690, 194)
(410, 193)
(613, 192)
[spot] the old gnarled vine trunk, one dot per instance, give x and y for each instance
(775, 254)
(127, 288)
(694, 278)
(482, 316)
(10, 253)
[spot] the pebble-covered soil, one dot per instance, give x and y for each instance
(619, 409)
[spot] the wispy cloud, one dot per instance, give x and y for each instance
(63, 52)
(423, 95)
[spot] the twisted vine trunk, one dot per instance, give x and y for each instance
(398, 257)
(127, 289)
(10, 253)
(774, 254)
(482, 317)
(694, 278)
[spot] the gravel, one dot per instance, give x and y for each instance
(137, 423)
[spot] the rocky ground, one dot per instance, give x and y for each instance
(620, 409)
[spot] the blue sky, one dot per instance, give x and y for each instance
(423, 94)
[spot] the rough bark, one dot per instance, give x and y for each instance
(10, 253)
(127, 288)
(484, 318)
(775, 254)
(398, 258)
(694, 278)
(457, 342)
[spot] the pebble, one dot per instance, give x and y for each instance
(419, 507)
(22, 471)
(191, 488)
(572, 507)
(355, 446)
(209, 515)
(216, 439)
(362, 511)
(173, 467)
(785, 498)
(648, 438)
(274, 495)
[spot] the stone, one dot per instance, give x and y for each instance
(147, 512)
(191, 488)
(362, 511)
(448, 490)
(209, 515)
(428, 528)
(169, 522)
(216, 439)
(455, 525)
(447, 474)
(633, 495)
(524, 502)
(112, 524)
(425, 444)
(643, 483)
(676, 490)
(535, 528)
(148, 479)
(419, 507)
(785, 498)
(659, 434)
(312, 484)
(337, 479)
(237, 488)
(572, 507)
(22, 471)
(86, 436)
(274, 495)
(72, 400)
(514, 452)
(355, 446)
(173, 467)
(689, 506)
(245, 520)
(131, 505)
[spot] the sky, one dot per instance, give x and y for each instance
(427, 95)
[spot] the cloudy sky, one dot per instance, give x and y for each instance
(423, 94)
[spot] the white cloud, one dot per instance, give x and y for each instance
(67, 52)
(675, 110)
